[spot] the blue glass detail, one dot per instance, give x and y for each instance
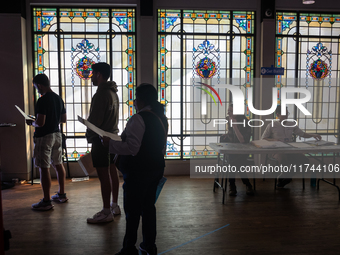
(169, 22)
(286, 24)
(46, 20)
(122, 22)
(242, 23)
(205, 47)
(170, 147)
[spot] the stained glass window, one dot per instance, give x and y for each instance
(307, 46)
(198, 50)
(67, 41)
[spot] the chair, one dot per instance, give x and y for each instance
(268, 157)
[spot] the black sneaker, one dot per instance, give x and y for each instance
(282, 182)
(131, 251)
(42, 205)
(249, 190)
(143, 251)
(232, 190)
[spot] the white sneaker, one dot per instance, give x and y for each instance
(61, 198)
(115, 210)
(100, 217)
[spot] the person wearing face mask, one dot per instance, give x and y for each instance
(142, 164)
(277, 132)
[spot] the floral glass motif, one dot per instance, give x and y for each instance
(319, 69)
(84, 68)
(206, 68)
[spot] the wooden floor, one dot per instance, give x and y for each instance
(289, 221)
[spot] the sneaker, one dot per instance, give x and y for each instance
(132, 251)
(143, 251)
(232, 190)
(249, 190)
(282, 182)
(100, 217)
(115, 210)
(42, 205)
(61, 198)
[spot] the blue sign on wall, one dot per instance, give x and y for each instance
(272, 70)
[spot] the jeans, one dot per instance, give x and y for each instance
(139, 200)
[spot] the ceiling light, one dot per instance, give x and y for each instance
(308, 1)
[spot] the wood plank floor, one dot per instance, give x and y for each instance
(289, 221)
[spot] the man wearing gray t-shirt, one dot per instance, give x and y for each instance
(277, 132)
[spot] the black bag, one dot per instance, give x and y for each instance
(225, 138)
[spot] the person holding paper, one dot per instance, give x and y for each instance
(104, 115)
(50, 111)
(277, 132)
(237, 133)
(142, 164)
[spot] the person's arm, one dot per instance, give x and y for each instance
(238, 134)
(63, 118)
(267, 134)
(39, 122)
(133, 134)
(316, 136)
(98, 109)
(299, 132)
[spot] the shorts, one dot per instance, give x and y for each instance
(101, 156)
(48, 150)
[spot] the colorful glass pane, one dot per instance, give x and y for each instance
(306, 53)
(205, 68)
(84, 68)
(66, 56)
(194, 46)
(319, 69)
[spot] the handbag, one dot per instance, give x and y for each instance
(163, 179)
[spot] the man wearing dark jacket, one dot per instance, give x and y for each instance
(104, 115)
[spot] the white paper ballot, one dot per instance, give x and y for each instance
(98, 130)
(24, 114)
(300, 145)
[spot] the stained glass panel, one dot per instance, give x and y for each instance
(195, 47)
(309, 52)
(66, 55)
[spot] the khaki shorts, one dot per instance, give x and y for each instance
(48, 150)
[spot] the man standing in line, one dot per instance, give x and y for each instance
(50, 111)
(104, 115)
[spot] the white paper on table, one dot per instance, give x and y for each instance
(99, 131)
(269, 144)
(300, 145)
(319, 143)
(24, 114)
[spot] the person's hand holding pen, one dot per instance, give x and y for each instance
(316, 136)
(105, 141)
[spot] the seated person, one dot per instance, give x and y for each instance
(237, 134)
(277, 132)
